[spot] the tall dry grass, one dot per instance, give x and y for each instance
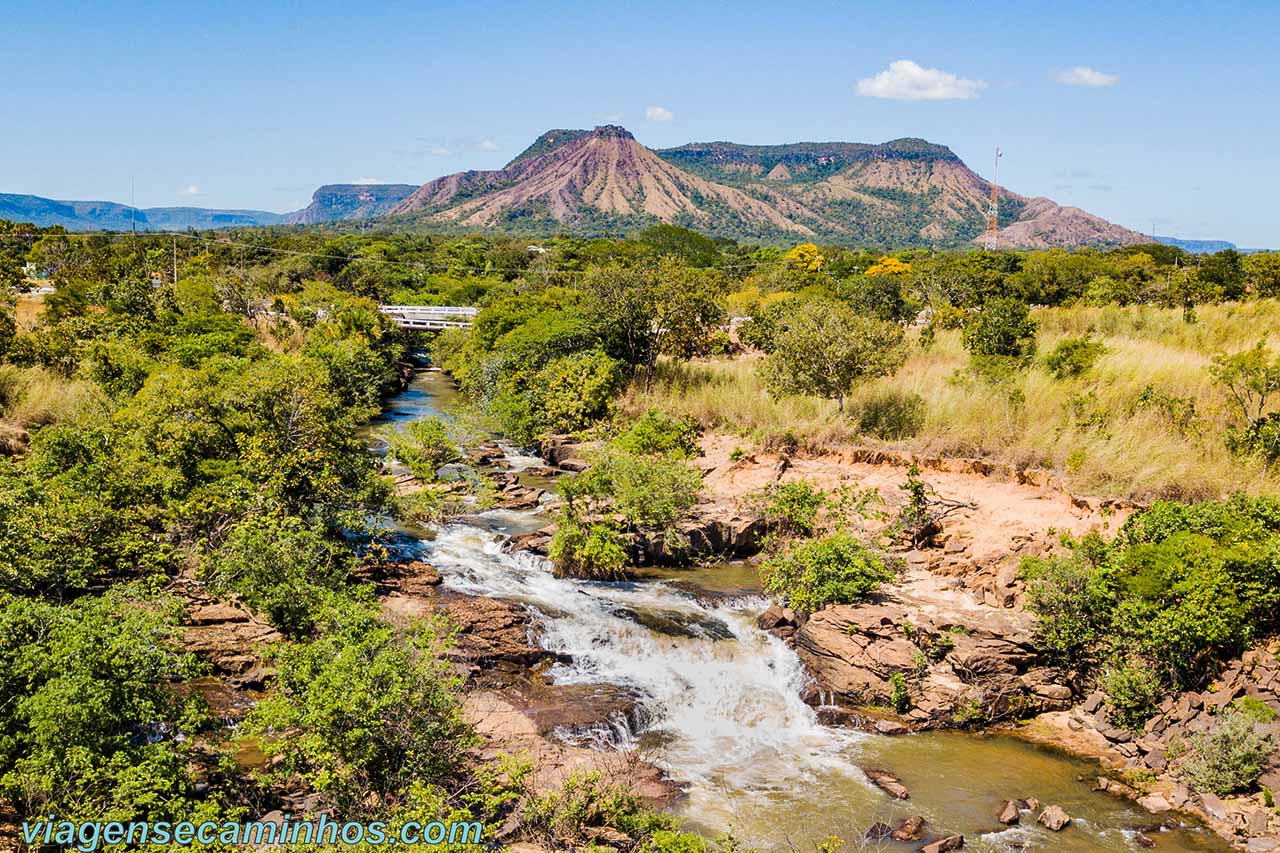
(1090, 430)
(32, 397)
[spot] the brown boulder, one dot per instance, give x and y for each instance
(1054, 818)
(491, 630)
(1010, 814)
(776, 617)
(951, 842)
(887, 782)
(911, 829)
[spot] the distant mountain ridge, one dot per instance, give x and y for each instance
(333, 202)
(903, 192)
(111, 216)
(1197, 246)
(602, 181)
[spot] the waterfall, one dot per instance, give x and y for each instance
(726, 700)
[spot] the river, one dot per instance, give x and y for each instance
(725, 716)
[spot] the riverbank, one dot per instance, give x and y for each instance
(955, 621)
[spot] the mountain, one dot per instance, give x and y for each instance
(602, 181)
(110, 216)
(1196, 246)
(334, 202)
(907, 191)
(599, 178)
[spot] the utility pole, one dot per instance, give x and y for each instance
(993, 211)
(175, 259)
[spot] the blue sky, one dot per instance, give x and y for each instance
(253, 105)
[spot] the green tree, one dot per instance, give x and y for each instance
(1252, 378)
(1073, 600)
(824, 349)
(1262, 273)
(423, 446)
(1225, 270)
(1002, 329)
(281, 568)
(89, 726)
(364, 711)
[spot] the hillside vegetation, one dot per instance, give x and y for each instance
(1145, 421)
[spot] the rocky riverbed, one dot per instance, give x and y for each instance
(670, 685)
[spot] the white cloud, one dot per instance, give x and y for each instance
(440, 151)
(655, 113)
(904, 80)
(1082, 75)
(487, 145)
(366, 182)
(190, 189)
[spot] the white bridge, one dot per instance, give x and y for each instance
(419, 317)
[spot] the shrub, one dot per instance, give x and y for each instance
(1071, 600)
(650, 492)
(1074, 357)
(1255, 709)
(1229, 757)
(657, 433)
(1003, 329)
(1133, 691)
(891, 414)
(792, 508)
(423, 446)
(569, 393)
(564, 819)
(1252, 379)
(88, 715)
(720, 344)
(1261, 439)
(597, 551)
(836, 569)
(281, 567)
(365, 711)
(901, 696)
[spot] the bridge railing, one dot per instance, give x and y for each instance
(430, 316)
(430, 310)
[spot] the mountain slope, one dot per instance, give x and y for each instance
(110, 216)
(333, 202)
(907, 191)
(570, 176)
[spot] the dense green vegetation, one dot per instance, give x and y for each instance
(191, 413)
(216, 442)
(1180, 589)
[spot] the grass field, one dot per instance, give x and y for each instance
(1100, 432)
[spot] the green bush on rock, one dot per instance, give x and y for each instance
(1230, 756)
(836, 569)
(597, 550)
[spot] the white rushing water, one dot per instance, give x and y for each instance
(726, 701)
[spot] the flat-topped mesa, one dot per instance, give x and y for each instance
(612, 131)
(904, 191)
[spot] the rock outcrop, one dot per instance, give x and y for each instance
(230, 638)
(1160, 749)
(961, 665)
